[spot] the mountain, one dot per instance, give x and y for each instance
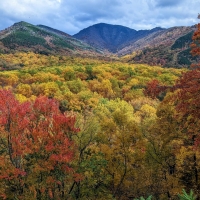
(111, 37)
(23, 36)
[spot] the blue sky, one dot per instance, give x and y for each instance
(71, 16)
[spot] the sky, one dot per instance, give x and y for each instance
(71, 16)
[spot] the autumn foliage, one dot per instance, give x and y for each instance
(188, 94)
(138, 129)
(196, 42)
(154, 89)
(36, 149)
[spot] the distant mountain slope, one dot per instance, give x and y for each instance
(169, 48)
(111, 37)
(164, 37)
(23, 36)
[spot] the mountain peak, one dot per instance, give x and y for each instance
(22, 23)
(158, 29)
(111, 37)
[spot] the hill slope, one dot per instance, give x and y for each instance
(23, 36)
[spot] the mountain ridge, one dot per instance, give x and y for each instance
(158, 46)
(23, 36)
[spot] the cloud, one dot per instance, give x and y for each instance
(27, 10)
(168, 3)
(24, 8)
(73, 15)
(91, 10)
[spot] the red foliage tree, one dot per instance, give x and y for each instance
(154, 89)
(188, 103)
(36, 148)
(195, 46)
(188, 108)
(196, 42)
